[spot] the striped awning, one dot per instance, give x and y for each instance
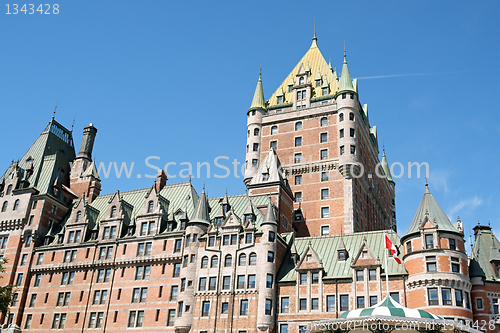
(390, 308)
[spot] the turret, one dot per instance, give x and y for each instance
(437, 265)
(267, 269)
(196, 227)
(348, 107)
(254, 132)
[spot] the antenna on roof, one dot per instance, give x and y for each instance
(73, 125)
(53, 115)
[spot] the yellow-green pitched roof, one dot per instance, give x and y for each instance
(317, 63)
(258, 101)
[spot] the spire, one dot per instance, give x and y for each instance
(258, 101)
(345, 81)
(314, 43)
(269, 218)
(385, 167)
(201, 213)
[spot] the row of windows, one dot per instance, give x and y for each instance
(5, 205)
(353, 150)
(228, 261)
(324, 176)
(341, 116)
(298, 125)
(205, 308)
(431, 264)
(429, 243)
(351, 133)
(323, 153)
(461, 297)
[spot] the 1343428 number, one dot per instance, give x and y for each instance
(32, 9)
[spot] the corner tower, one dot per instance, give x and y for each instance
(437, 265)
(254, 131)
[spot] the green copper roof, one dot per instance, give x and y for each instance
(345, 81)
(326, 248)
(269, 218)
(486, 249)
(258, 101)
(201, 212)
(385, 167)
(429, 206)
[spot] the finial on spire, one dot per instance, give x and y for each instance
(344, 52)
(73, 125)
(260, 71)
(426, 184)
(54, 114)
(314, 28)
(383, 145)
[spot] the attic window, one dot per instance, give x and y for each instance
(265, 176)
(113, 212)
(9, 190)
(301, 80)
(309, 257)
(318, 83)
(150, 206)
(279, 99)
(364, 254)
(324, 91)
(78, 216)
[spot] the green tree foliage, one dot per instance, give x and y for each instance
(6, 292)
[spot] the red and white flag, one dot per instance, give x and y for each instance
(391, 247)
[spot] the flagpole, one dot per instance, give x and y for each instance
(386, 270)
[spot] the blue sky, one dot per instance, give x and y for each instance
(174, 79)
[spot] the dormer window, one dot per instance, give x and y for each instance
(265, 176)
(150, 206)
(78, 216)
(218, 221)
(301, 80)
(318, 83)
(113, 212)
(290, 87)
(324, 91)
(429, 242)
(9, 190)
(279, 99)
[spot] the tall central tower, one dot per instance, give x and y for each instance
(328, 150)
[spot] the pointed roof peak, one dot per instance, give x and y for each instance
(201, 212)
(258, 101)
(345, 81)
(269, 218)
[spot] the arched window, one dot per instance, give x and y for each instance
(301, 80)
(16, 205)
(228, 261)
(324, 121)
(341, 117)
(274, 130)
(243, 260)
(9, 190)
(4, 206)
(150, 206)
(298, 126)
(78, 216)
(204, 262)
(256, 131)
(214, 262)
(113, 212)
(351, 116)
(253, 259)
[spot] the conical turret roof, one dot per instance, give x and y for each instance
(385, 167)
(258, 101)
(345, 81)
(269, 218)
(201, 213)
(429, 207)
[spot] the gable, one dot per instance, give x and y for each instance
(365, 257)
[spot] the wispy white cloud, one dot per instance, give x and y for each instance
(465, 205)
(438, 179)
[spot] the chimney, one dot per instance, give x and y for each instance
(88, 138)
(161, 180)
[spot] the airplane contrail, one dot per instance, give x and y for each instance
(412, 74)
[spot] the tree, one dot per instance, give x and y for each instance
(6, 292)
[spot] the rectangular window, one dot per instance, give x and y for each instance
(372, 274)
(408, 247)
(455, 268)
(429, 242)
(361, 302)
(341, 150)
(344, 302)
(330, 303)
(171, 317)
(178, 245)
(325, 193)
(255, 147)
(452, 244)
(353, 149)
(248, 238)
(298, 143)
(285, 305)
(283, 328)
(39, 259)
(225, 240)
(203, 284)
(177, 270)
(234, 239)
(298, 180)
(297, 158)
(32, 301)
(27, 324)
(324, 154)
(303, 278)
(373, 300)
(351, 132)
(173, 293)
(269, 281)
(314, 304)
(24, 260)
(226, 282)
(271, 236)
(142, 272)
(135, 319)
(433, 296)
(467, 303)
(205, 309)
(303, 304)
(269, 307)
(315, 278)
(19, 278)
(323, 137)
(244, 307)
(446, 294)
(395, 296)
(241, 282)
(324, 176)
(459, 297)
(325, 212)
(270, 256)
(211, 241)
(212, 283)
(225, 307)
(325, 230)
(251, 281)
